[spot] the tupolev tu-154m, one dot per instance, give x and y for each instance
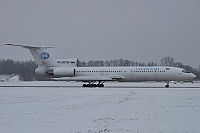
(68, 70)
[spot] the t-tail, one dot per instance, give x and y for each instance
(46, 62)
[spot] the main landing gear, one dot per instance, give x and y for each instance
(91, 84)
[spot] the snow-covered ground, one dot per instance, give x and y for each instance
(4, 78)
(107, 84)
(99, 110)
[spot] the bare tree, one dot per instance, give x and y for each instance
(167, 61)
(179, 64)
(198, 76)
(199, 68)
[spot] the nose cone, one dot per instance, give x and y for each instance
(193, 76)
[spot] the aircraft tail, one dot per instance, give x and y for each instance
(40, 54)
(46, 62)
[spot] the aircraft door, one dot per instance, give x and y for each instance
(131, 73)
(102, 73)
(155, 74)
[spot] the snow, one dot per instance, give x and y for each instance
(4, 78)
(107, 84)
(99, 110)
(14, 78)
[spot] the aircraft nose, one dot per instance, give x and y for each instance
(193, 76)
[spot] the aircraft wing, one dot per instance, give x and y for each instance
(90, 78)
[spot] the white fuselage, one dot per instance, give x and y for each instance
(134, 73)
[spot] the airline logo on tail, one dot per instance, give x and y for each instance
(44, 55)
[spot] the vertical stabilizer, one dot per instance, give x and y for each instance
(41, 55)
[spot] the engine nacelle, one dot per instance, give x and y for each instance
(41, 70)
(64, 71)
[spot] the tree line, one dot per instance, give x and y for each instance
(117, 63)
(26, 69)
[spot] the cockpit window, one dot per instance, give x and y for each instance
(185, 71)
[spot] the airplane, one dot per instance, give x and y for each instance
(68, 70)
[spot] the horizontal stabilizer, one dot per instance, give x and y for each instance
(30, 47)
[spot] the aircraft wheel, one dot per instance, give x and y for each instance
(93, 85)
(101, 85)
(84, 85)
(166, 86)
(88, 85)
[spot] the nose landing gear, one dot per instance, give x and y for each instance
(167, 85)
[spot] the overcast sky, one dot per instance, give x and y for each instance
(138, 30)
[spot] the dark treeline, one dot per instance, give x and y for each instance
(117, 62)
(26, 69)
